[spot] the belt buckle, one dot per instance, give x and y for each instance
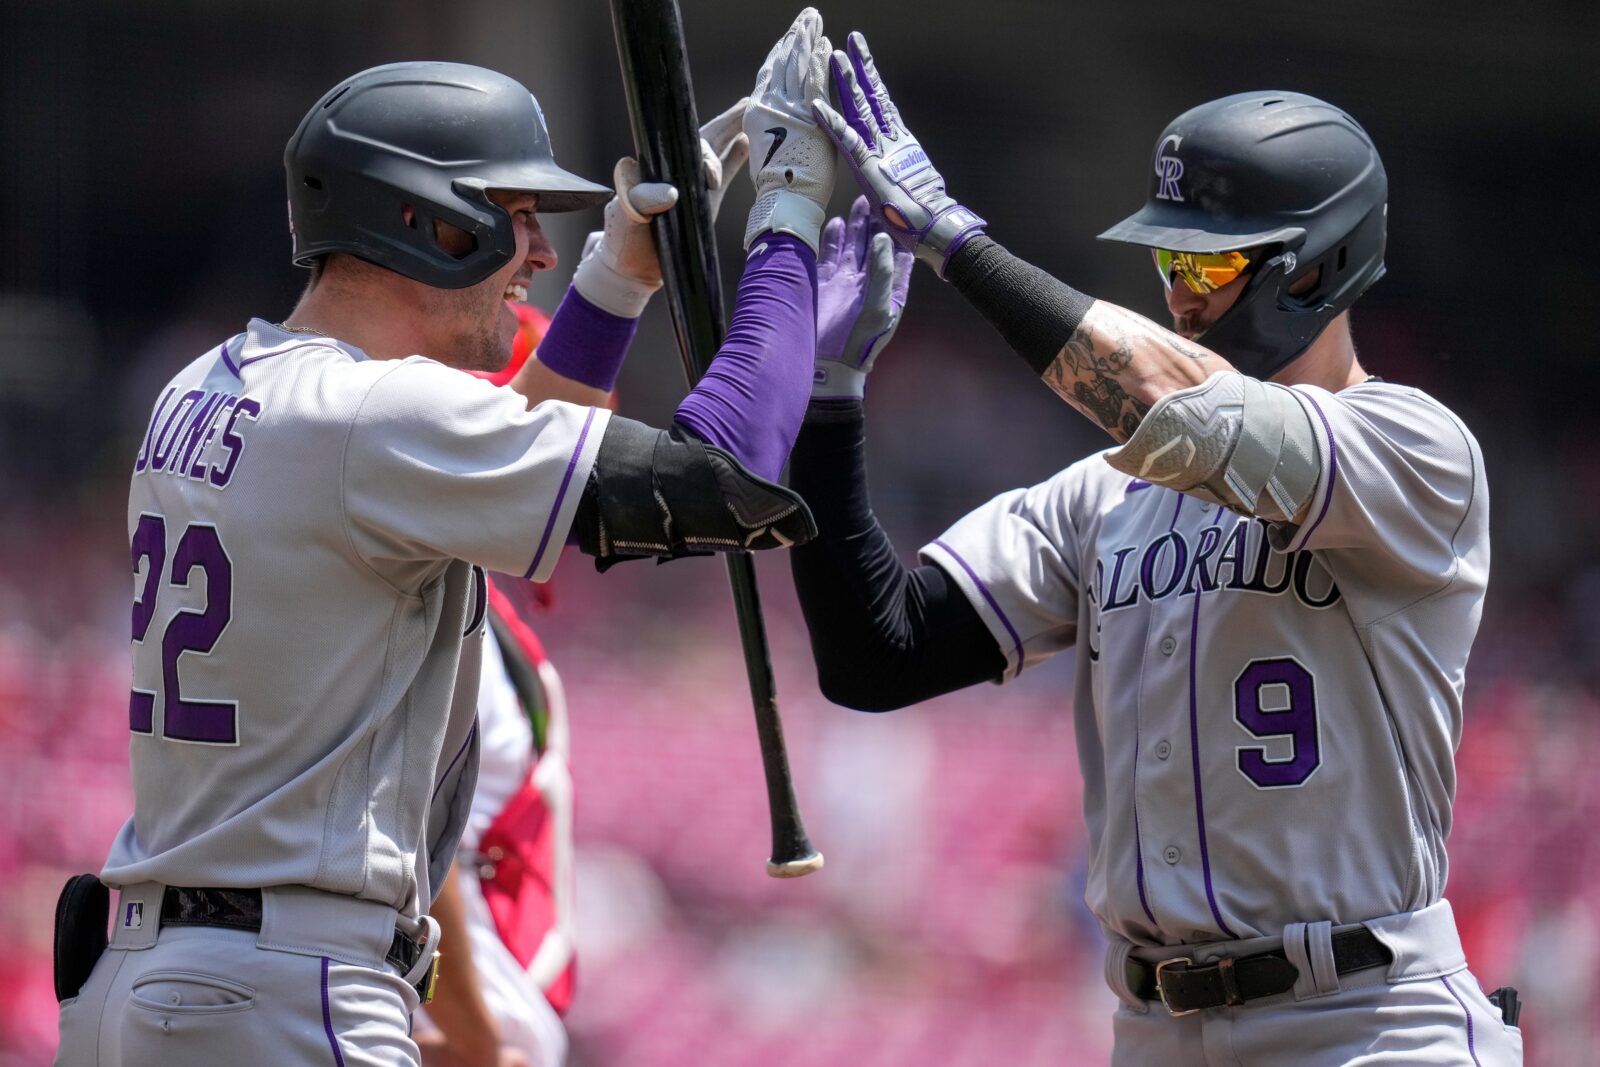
(427, 985)
(1161, 969)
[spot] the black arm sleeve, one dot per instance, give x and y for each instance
(1033, 311)
(884, 635)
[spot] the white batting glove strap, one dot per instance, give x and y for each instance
(781, 211)
(796, 157)
(607, 289)
(838, 381)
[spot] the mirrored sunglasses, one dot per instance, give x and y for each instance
(1202, 272)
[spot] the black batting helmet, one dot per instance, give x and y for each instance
(1281, 172)
(436, 137)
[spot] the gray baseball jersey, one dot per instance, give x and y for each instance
(1266, 714)
(309, 530)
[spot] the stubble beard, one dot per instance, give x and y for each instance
(476, 345)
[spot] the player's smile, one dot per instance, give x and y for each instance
(510, 283)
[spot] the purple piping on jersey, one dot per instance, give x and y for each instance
(1333, 470)
(1138, 844)
(566, 479)
(1194, 756)
(1138, 849)
(445, 777)
(227, 360)
(987, 596)
(268, 355)
(327, 1018)
(1472, 1046)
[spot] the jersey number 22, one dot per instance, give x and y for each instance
(200, 548)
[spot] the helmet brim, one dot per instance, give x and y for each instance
(559, 190)
(1163, 227)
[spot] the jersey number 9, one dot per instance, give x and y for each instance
(1278, 698)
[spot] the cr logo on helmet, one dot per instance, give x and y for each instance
(1169, 169)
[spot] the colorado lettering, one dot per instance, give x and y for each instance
(1240, 559)
(198, 435)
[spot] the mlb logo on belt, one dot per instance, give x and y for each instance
(133, 915)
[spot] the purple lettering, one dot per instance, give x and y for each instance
(1233, 553)
(142, 711)
(1093, 593)
(149, 431)
(1302, 575)
(150, 546)
(1210, 538)
(164, 440)
(209, 722)
(1113, 603)
(1258, 582)
(233, 442)
(1152, 558)
(197, 470)
(197, 427)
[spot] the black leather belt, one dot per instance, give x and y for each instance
(1184, 988)
(240, 909)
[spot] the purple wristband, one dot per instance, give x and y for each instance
(755, 392)
(586, 343)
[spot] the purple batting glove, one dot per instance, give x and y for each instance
(862, 282)
(889, 163)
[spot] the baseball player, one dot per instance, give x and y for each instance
(1270, 586)
(311, 516)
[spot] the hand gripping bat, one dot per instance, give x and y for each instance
(666, 135)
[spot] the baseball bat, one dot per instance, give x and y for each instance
(666, 135)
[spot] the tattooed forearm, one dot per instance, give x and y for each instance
(1185, 349)
(1117, 364)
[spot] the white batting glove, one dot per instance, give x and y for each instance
(794, 177)
(619, 270)
(862, 281)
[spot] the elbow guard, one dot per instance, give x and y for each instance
(665, 493)
(1246, 444)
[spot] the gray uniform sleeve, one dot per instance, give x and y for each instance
(1017, 560)
(1397, 472)
(441, 465)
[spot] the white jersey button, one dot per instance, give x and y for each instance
(1168, 644)
(1163, 749)
(1171, 854)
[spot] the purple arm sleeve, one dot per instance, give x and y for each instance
(586, 343)
(754, 394)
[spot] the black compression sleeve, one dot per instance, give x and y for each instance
(883, 635)
(1033, 311)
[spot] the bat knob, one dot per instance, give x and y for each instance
(798, 867)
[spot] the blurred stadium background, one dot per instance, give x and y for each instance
(141, 219)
